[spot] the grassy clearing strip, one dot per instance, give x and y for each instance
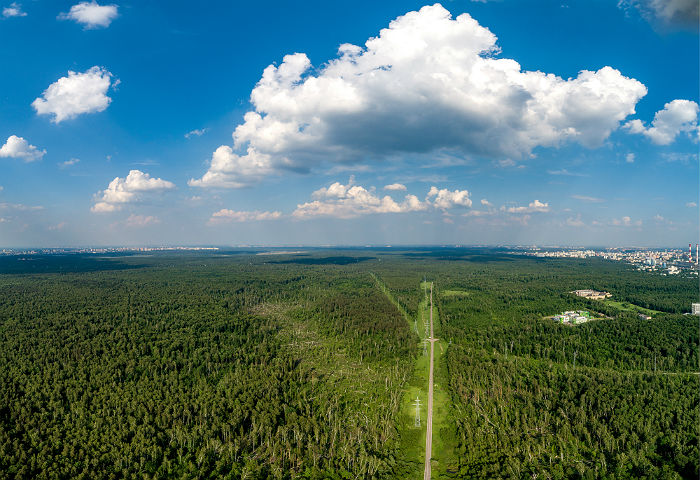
(445, 462)
(391, 298)
(630, 307)
(412, 439)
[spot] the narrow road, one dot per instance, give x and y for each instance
(429, 426)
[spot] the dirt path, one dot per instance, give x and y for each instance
(429, 427)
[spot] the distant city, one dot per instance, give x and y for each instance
(663, 261)
(100, 250)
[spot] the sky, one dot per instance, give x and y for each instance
(504, 122)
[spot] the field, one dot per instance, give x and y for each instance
(628, 307)
(306, 365)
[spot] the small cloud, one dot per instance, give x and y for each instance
(14, 10)
(658, 218)
(197, 132)
(478, 213)
(629, 158)
(565, 172)
(395, 187)
(91, 15)
(486, 203)
(535, 206)
(59, 226)
(676, 117)
(19, 207)
(691, 204)
(575, 222)
(127, 190)
(585, 198)
(626, 222)
(75, 94)
(684, 158)
(141, 220)
(69, 163)
(506, 163)
(226, 216)
(146, 163)
(18, 147)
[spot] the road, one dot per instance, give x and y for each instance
(429, 425)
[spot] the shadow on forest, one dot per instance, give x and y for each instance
(27, 264)
(326, 260)
(467, 257)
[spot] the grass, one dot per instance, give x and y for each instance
(412, 439)
(630, 307)
(445, 461)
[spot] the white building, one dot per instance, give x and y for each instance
(695, 309)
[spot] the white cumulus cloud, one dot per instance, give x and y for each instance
(18, 147)
(14, 10)
(127, 190)
(395, 187)
(428, 82)
(91, 15)
(445, 199)
(676, 117)
(75, 94)
(225, 216)
(535, 206)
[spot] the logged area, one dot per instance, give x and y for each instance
(316, 365)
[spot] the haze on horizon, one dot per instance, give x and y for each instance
(405, 123)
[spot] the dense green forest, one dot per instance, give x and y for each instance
(237, 365)
(202, 367)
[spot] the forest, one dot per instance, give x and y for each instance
(237, 365)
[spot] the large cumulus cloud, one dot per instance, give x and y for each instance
(428, 82)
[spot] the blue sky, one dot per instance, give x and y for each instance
(498, 122)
